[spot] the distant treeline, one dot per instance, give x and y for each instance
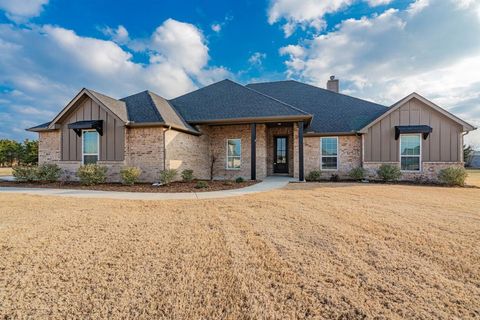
(18, 153)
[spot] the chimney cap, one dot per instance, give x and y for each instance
(332, 77)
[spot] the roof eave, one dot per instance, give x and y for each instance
(45, 129)
(323, 134)
(133, 124)
(246, 120)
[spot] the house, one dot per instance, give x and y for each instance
(226, 130)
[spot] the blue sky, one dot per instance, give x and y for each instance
(381, 50)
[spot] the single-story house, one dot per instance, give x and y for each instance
(227, 130)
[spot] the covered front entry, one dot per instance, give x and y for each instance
(279, 149)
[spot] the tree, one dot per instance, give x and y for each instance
(10, 151)
(29, 152)
(467, 153)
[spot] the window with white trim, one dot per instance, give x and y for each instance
(234, 154)
(90, 146)
(410, 152)
(329, 153)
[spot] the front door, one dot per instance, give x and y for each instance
(280, 156)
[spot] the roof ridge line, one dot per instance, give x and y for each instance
(160, 118)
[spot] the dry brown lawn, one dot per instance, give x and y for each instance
(5, 172)
(473, 177)
(313, 251)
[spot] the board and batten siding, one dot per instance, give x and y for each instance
(111, 143)
(444, 144)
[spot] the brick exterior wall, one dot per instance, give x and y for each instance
(349, 157)
(429, 172)
(218, 145)
(186, 151)
(144, 148)
(49, 147)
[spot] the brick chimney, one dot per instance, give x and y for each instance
(333, 84)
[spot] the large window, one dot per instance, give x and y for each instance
(329, 153)
(234, 152)
(410, 152)
(90, 146)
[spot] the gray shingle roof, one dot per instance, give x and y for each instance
(332, 112)
(40, 126)
(229, 100)
(149, 107)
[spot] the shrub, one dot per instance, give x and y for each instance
(49, 172)
(334, 177)
(388, 172)
(239, 180)
(187, 175)
(130, 175)
(167, 176)
(201, 185)
(357, 173)
(92, 174)
(314, 175)
(453, 176)
(25, 174)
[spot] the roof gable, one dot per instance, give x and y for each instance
(466, 126)
(227, 100)
(111, 105)
(332, 112)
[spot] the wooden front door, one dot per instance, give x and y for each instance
(280, 155)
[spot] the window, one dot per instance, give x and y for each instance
(90, 146)
(234, 151)
(329, 153)
(410, 152)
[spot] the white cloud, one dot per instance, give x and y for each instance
(385, 57)
(21, 10)
(303, 14)
(119, 35)
(181, 44)
(375, 3)
(256, 59)
(44, 66)
(216, 27)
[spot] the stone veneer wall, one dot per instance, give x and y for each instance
(350, 155)
(429, 173)
(272, 132)
(186, 151)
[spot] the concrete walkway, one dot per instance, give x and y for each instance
(270, 183)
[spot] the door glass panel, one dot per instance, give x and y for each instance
(281, 150)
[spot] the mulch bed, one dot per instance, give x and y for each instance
(178, 186)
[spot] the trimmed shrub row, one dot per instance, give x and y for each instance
(452, 176)
(44, 173)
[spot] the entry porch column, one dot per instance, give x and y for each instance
(253, 151)
(300, 152)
